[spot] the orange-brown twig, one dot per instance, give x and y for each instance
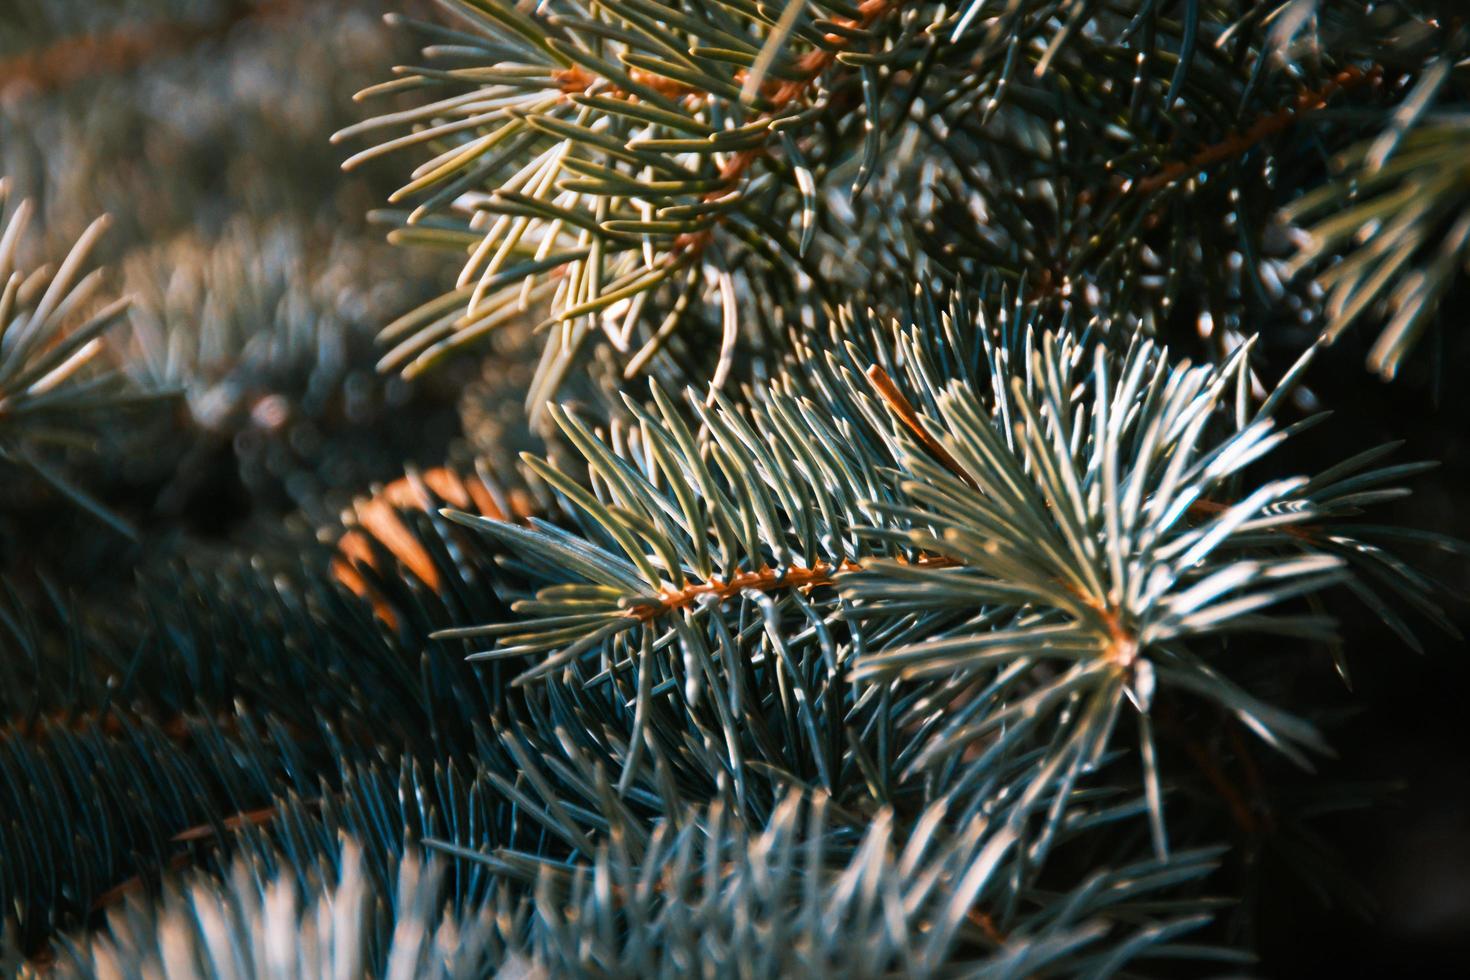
(108, 723)
(249, 818)
(904, 412)
(134, 884)
(1237, 144)
(821, 573)
(72, 59)
(985, 922)
(778, 95)
(811, 66)
(762, 580)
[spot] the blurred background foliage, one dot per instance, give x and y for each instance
(198, 127)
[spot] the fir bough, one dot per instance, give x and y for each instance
(934, 555)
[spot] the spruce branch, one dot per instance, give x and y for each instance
(1399, 229)
(54, 385)
(89, 807)
(832, 900)
(585, 164)
(249, 920)
(645, 150)
(878, 630)
(822, 901)
(1037, 541)
(1237, 144)
(279, 634)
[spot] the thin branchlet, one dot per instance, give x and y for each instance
(1237, 144)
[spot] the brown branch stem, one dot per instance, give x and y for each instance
(778, 95)
(763, 580)
(1237, 144)
(72, 59)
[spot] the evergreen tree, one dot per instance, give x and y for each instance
(929, 555)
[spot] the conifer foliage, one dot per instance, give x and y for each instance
(933, 551)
